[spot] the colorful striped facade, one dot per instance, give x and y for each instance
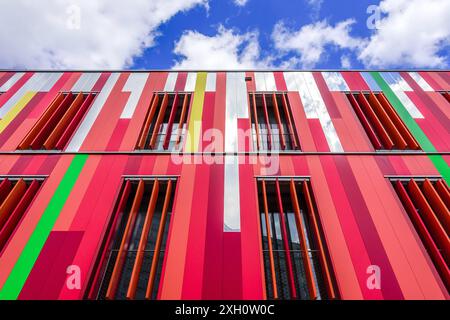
(346, 155)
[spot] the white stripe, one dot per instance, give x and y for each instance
(230, 113)
(398, 85)
(335, 81)
(190, 82)
(290, 79)
(86, 82)
(260, 81)
(270, 81)
(170, 82)
(211, 81)
(11, 81)
(83, 130)
(34, 84)
(231, 196)
(316, 108)
(135, 84)
(421, 81)
(241, 96)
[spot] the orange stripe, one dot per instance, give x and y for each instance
(151, 279)
(300, 228)
(131, 293)
(269, 241)
(323, 260)
(121, 255)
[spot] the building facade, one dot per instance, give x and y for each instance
(224, 185)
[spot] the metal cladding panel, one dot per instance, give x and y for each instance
(214, 248)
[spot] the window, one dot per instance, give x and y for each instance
(271, 122)
(166, 122)
(16, 195)
(55, 127)
(382, 124)
(427, 202)
(130, 262)
(295, 257)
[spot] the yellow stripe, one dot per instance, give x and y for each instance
(14, 111)
(196, 114)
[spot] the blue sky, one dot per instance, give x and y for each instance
(259, 15)
(226, 34)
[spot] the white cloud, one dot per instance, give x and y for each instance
(240, 3)
(311, 41)
(226, 50)
(315, 5)
(411, 34)
(41, 34)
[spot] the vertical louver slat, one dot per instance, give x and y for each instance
(271, 122)
(431, 221)
(389, 126)
(365, 122)
(443, 191)
(5, 187)
(379, 128)
(401, 127)
(317, 236)
(12, 200)
(381, 122)
(437, 204)
(118, 212)
(143, 242)
(37, 143)
(255, 120)
(296, 267)
(158, 129)
(148, 121)
(269, 242)
(159, 238)
(289, 121)
(266, 119)
(16, 196)
(285, 242)
(170, 122)
(17, 213)
(159, 119)
(129, 263)
(182, 120)
(25, 144)
(57, 124)
(278, 118)
(424, 222)
(304, 248)
(114, 282)
(63, 122)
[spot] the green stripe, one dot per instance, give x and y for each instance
(439, 162)
(30, 253)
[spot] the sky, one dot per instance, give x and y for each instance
(226, 34)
